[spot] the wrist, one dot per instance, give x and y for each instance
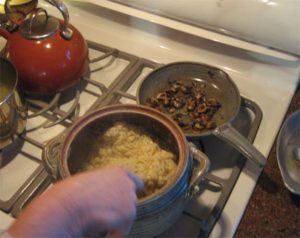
(71, 201)
(67, 202)
(47, 216)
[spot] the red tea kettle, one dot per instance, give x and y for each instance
(50, 55)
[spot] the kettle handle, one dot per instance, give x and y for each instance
(9, 13)
(67, 33)
(4, 33)
(16, 15)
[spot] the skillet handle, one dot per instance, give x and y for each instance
(200, 171)
(227, 133)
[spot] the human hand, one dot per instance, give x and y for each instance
(85, 204)
(105, 200)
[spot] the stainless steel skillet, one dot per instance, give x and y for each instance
(219, 85)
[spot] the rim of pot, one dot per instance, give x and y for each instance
(139, 110)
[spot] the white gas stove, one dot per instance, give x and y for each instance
(128, 41)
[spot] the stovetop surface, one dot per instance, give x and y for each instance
(114, 78)
(265, 79)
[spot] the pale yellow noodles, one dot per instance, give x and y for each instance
(126, 145)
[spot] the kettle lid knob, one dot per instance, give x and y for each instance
(39, 26)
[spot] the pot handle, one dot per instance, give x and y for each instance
(51, 156)
(227, 133)
(200, 171)
(66, 33)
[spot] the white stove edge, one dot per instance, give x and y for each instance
(280, 79)
(282, 82)
(194, 30)
(221, 16)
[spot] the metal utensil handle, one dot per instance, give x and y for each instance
(200, 171)
(227, 133)
(67, 33)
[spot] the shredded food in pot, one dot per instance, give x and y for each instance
(128, 146)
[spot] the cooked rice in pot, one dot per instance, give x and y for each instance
(128, 146)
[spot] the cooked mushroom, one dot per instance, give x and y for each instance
(184, 122)
(202, 108)
(186, 89)
(213, 102)
(199, 95)
(161, 96)
(167, 102)
(152, 102)
(191, 104)
(187, 104)
(194, 115)
(175, 86)
(171, 110)
(198, 126)
(177, 102)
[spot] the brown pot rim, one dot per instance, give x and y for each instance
(130, 109)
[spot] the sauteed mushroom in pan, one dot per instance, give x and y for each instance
(186, 102)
